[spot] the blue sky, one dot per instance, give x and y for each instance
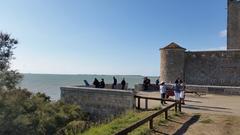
(108, 36)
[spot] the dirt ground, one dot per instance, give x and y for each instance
(199, 124)
(205, 115)
(209, 103)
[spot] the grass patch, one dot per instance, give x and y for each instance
(119, 123)
(126, 120)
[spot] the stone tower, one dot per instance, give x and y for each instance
(172, 63)
(233, 25)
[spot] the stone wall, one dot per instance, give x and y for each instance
(213, 68)
(100, 103)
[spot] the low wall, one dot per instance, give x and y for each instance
(225, 90)
(100, 103)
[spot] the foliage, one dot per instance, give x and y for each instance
(24, 113)
(73, 128)
(8, 78)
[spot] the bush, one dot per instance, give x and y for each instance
(24, 113)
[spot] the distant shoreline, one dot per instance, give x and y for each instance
(90, 74)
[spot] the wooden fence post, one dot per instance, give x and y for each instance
(146, 103)
(166, 115)
(151, 124)
(138, 103)
(180, 106)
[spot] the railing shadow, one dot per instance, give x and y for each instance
(187, 124)
(207, 108)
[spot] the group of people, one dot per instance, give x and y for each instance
(101, 84)
(98, 84)
(178, 88)
(147, 83)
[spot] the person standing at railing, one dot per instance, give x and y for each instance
(163, 89)
(102, 84)
(177, 89)
(157, 82)
(123, 83)
(146, 83)
(96, 83)
(114, 85)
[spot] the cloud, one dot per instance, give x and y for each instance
(223, 33)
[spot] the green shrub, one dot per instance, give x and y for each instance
(24, 113)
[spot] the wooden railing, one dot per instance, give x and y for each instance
(151, 98)
(150, 118)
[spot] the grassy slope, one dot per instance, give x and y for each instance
(123, 122)
(118, 124)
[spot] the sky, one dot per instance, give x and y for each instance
(108, 36)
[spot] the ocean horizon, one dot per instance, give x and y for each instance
(50, 83)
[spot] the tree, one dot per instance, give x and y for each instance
(26, 113)
(8, 78)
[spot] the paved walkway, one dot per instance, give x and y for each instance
(213, 104)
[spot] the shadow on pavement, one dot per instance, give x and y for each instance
(207, 108)
(187, 124)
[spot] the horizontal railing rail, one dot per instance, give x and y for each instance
(151, 98)
(149, 119)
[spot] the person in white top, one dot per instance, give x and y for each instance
(177, 89)
(163, 89)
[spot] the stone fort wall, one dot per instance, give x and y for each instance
(100, 103)
(212, 68)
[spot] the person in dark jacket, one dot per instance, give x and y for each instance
(86, 83)
(102, 84)
(146, 83)
(96, 83)
(123, 83)
(157, 82)
(145, 86)
(114, 83)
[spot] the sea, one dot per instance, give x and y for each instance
(50, 83)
